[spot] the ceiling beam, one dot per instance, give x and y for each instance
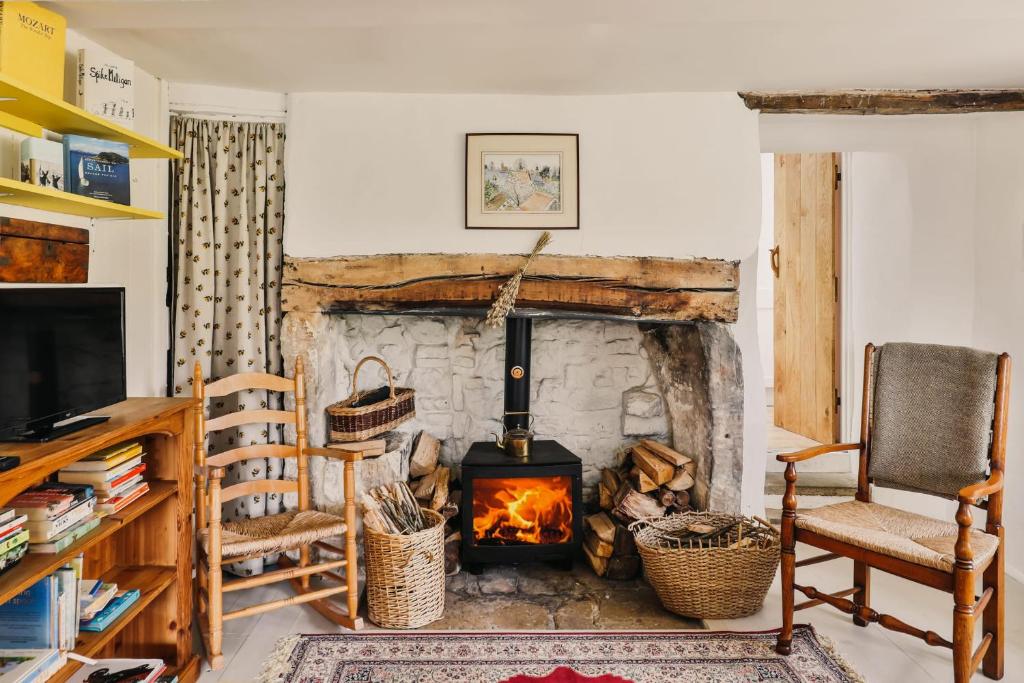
(888, 102)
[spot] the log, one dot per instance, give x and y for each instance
(425, 487)
(641, 482)
(666, 496)
(595, 545)
(636, 505)
(598, 564)
(424, 456)
(669, 455)
(624, 544)
(453, 553)
(622, 567)
(605, 497)
(682, 481)
(633, 288)
(887, 102)
(682, 502)
(611, 479)
(602, 525)
(440, 489)
(654, 467)
(369, 449)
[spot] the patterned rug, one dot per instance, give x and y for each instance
(486, 657)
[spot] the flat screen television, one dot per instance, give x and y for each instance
(62, 354)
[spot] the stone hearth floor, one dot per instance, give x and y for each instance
(543, 597)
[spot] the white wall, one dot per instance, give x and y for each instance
(130, 254)
(765, 276)
(666, 175)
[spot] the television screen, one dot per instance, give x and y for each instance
(61, 354)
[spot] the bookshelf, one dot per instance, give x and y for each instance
(29, 111)
(147, 546)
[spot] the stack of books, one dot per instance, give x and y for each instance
(136, 670)
(102, 603)
(13, 538)
(115, 474)
(57, 514)
(45, 615)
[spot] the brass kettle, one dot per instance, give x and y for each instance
(516, 441)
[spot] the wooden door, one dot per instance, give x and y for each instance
(806, 294)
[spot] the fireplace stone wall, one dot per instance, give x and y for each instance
(594, 387)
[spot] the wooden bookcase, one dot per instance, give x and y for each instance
(148, 545)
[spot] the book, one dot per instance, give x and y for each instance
(42, 506)
(12, 557)
(118, 503)
(112, 611)
(79, 492)
(98, 478)
(14, 540)
(67, 596)
(105, 85)
(28, 665)
(6, 515)
(149, 670)
(100, 595)
(97, 168)
(29, 619)
(121, 490)
(42, 163)
(105, 459)
(44, 530)
(32, 47)
(65, 540)
(11, 525)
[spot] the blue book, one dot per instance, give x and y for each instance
(112, 611)
(29, 619)
(97, 168)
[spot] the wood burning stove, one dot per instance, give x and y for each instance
(520, 509)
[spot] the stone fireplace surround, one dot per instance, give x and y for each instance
(597, 383)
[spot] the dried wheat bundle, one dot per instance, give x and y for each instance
(506, 301)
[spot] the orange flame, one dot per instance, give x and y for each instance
(522, 510)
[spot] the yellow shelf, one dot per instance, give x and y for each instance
(49, 199)
(24, 102)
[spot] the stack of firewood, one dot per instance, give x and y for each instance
(431, 484)
(650, 481)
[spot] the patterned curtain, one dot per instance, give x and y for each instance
(229, 196)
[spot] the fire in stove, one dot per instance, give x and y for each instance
(522, 510)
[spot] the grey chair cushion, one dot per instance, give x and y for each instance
(932, 417)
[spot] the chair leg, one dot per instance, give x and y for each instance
(963, 624)
(351, 552)
(861, 581)
(992, 620)
(784, 644)
(216, 615)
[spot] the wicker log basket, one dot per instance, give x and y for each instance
(366, 414)
(405, 575)
(706, 565)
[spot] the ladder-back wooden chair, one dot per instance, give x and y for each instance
(224, 542)
(933, 421)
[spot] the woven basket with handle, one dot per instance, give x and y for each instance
(356, 420)
(720, 575)
(405, 575)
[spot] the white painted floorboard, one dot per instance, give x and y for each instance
(879, 655)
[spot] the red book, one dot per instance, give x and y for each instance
(135, 471)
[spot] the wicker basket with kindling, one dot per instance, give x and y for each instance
(405, 575)
(366, 414)
(707, 565)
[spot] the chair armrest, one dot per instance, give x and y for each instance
(815, 451)
(336, 453)
(971, 494)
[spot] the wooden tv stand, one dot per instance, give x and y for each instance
(148, 545)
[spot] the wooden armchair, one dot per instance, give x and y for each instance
(933, 421)
(222, 542)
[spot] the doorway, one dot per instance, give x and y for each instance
(799, 299)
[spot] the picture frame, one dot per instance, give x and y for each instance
(522, 181)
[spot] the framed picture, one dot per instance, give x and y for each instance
(522, 181)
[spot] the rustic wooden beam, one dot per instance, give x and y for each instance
(887, 102)
(633, 288)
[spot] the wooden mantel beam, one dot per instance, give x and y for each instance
(632, 288)
(884, 101)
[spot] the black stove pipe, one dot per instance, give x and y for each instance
(518, 338)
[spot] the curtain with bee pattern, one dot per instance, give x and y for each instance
(229, 201)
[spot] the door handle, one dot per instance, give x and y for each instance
(774, 256)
